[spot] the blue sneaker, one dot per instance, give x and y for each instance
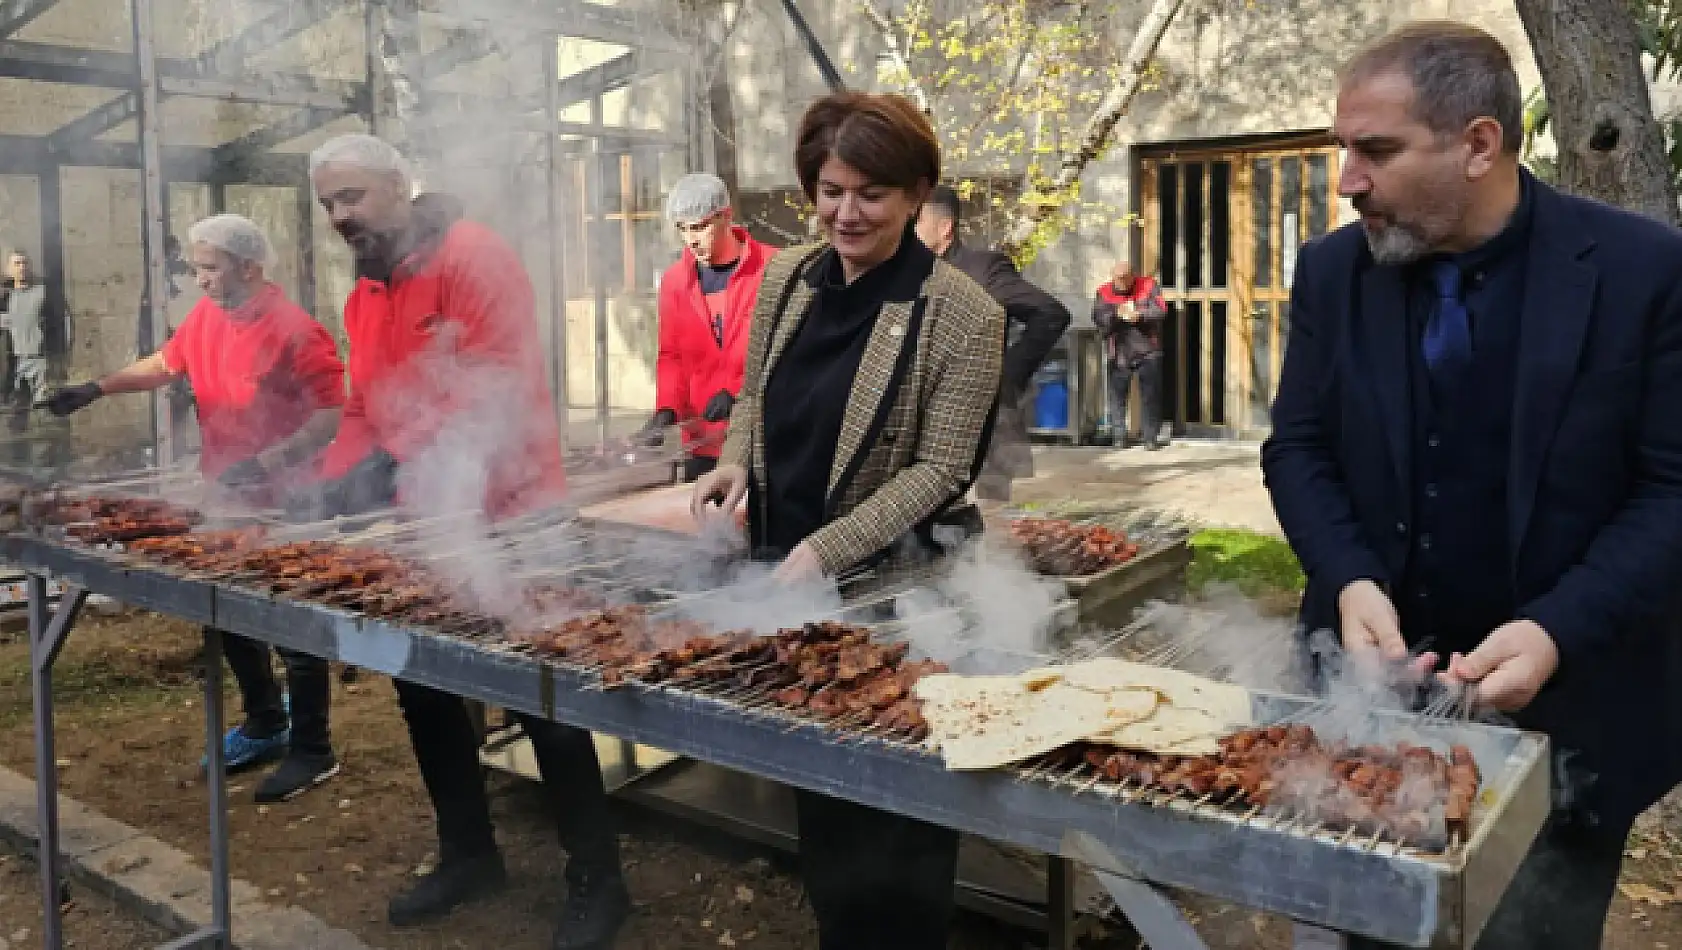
(241, 752)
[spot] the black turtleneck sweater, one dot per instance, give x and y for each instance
(806, 396)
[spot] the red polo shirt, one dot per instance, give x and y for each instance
(258, 374)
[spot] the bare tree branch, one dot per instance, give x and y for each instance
(1038, 204)
(896, 52)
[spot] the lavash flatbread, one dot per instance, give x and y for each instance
(1169, 731)
(1228, 705)
(986, 722)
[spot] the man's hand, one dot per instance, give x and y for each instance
(719, 406)
(1369, 621)
(801, 566)
(653, 432)
(63, 402)
(1510, 666)
(246, 473)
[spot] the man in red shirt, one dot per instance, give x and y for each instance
(269, 386)
(1129, 312)
(449, 408)
(706, 308)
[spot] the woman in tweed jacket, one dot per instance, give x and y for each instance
(871, 375)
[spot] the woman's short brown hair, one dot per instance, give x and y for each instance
(883, 136)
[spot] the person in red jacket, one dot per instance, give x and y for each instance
(1128, 310)
(706, 308)
(269, 385)
(449, 401)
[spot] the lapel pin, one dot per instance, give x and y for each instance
(896, 330)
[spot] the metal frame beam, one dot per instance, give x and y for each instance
(576, 19)
(267, 33)
(17, 14)
(619, 71)
(820, 56)
(94, 123)
(45, 62)
(469, 44)
(258, 141)
(24, 155)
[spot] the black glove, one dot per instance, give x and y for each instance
(719, 406)
(654, 431)
(371, 484)
(246, 473)
(70, 399)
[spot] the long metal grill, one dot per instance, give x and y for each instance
(567, 574)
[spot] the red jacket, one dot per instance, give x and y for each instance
(446, 374)
(693, 367)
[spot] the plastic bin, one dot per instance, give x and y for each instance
(1051, 405)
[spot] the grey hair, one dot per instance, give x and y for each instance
(1459, 74)
(696, 197)
(366, 152)
(236, 236)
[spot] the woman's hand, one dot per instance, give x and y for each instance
(801, 565)
(718, 492)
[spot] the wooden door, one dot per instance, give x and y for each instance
(1222, 229)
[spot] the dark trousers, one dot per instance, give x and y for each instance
(307, 680)
(697, 465)
(876, 880)
(447, 750)
(1149, 371)
(1558, 899)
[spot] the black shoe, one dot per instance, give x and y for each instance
(446, 887)
(595, 909)
(297, 773)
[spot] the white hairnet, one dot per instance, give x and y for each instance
(696, 196)
(362, 151)
(237, 236)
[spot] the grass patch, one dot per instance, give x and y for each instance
(1258, 565)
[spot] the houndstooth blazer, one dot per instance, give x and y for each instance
(895, 465)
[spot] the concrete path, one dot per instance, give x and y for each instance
(1213, 483)
(147, 876)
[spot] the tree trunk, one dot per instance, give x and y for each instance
(1036, 205)
(1610, 146)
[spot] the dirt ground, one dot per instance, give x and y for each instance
(92, 923)
(130, 735)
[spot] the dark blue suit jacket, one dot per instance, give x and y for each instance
(1594, 517)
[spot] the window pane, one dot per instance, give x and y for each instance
(1193, 387)
(1220, 224)
(1319, 211)
(1217, 362)
(1290, 216)
(1261, 198)
(1168, 225)
(1194, 224)
(1260, 333)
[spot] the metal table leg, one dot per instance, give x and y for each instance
(1060, 903)
(220, 932)
(46, 639)
(1155, 917)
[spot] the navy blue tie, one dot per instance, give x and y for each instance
(1448, 334)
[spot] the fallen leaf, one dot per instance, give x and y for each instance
(1647, 893)
(344, 803)
(353, 869)
(707, 924)
(725, 940)
(744, 895)
(262, 809)
(302, 880)
(1639, 854)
